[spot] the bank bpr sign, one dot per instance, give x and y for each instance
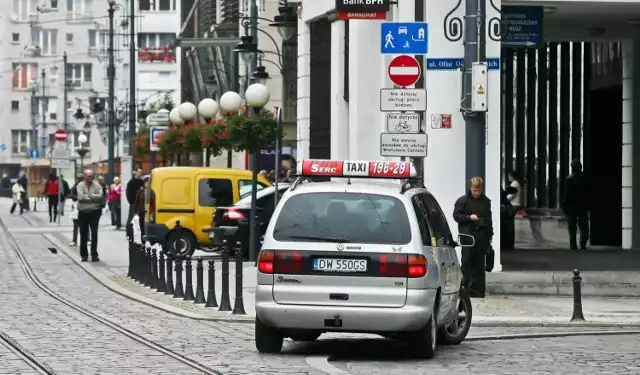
(154, 136)
(362, 9)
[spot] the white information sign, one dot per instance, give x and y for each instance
(60, 158)
(403, 145)
(403, 122)
(397, 100)
(159, 117)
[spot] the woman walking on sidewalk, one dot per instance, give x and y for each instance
(115, 193)
(51, 190)
(18, 195)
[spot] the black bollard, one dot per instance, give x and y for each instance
(136, 261)
(179, 290)
(131, 259)
(225, 303)
(154, 269)
(199, 282)
(188, 287)
(146, 280)
(577, 297)
(238, 305)
(161, 281)
(211, 293)
(168, 290)
(140, 269)
(35, 201)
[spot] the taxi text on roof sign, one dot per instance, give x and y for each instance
(356, 168)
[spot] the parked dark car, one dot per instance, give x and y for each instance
(238, 215)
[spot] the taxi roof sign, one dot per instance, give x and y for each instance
(357, 168)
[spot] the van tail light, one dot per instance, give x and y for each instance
(233, 214)
(285, 262)
(265, 261)
(394, 265)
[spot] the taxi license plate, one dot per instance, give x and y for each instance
(340, 265)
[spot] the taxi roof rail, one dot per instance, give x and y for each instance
(410, 184)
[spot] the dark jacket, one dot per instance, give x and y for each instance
(138, 205)
(105, 194)
(576, 192)
(74, 192)
(133, 187)
(466, 206)
(65, 189)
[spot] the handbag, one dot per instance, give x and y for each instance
(489, 259)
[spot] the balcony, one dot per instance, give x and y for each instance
(157, 55)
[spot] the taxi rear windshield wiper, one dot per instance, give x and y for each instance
(318, 238)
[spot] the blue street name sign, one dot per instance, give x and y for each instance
(34, 154)
(457, 63)
(522, 26)
(404, 38)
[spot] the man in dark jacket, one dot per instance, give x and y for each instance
(575, 204)
(472, 212)
(133, 186)
(24, 181)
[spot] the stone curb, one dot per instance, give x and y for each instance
(114, 287)
(539, 323)
(525, 336)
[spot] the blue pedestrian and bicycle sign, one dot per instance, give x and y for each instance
(404, 38)
(522, 26)
(34, 154)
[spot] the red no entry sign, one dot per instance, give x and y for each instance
(61, 135)
(404, 70)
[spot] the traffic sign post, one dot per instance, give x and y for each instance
(403, 145)
(522, 26)
(404, 70)
(401, 38)
(403, 100)
(154, 135)
(403, 122)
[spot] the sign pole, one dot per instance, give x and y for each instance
(475, 122)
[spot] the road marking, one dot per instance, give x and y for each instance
(321, 362)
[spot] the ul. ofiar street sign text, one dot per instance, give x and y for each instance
(457, 63)
(154, 135)
(404, 70)
(401, 38)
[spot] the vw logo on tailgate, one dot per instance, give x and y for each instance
(340, 247)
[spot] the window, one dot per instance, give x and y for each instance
(422, 221)
(15, 105)
(69, 37)
(23, 9)
(348, 217)
(20, 141)
(213, 192)
(79, 6)
(15, 37)
(290, 79)
(50, 107)
(244, 186)
(79, 75)
(46, 39)
(23, 74)
(157, 5)
(53, 4)
(437, 220)
(96, 40)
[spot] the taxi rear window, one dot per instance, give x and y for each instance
(349, 217)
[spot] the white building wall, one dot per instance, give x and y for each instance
(445, 165)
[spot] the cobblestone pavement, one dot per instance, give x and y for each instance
(567, 356)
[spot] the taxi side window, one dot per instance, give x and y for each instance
(437, 219)
(215, 192)
(422, 220)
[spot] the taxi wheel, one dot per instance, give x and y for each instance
(181, 243)
(424, 340)
(268, 339)
(456, 332)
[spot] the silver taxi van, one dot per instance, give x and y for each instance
(360, 256)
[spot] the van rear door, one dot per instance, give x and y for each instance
(211, 191)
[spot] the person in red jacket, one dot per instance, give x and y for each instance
(51, 190)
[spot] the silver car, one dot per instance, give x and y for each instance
(368, 257)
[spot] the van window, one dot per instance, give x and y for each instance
(349, 217)
(213, 192)
(244, 187)
(421, 216)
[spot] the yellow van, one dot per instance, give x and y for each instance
(189, 195)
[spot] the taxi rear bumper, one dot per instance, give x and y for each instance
(410, 317)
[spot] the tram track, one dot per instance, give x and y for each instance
(26, 356)
(31, 275)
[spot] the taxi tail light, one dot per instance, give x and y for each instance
(265, 261)
(394, 265)
(233, 214)
(287, 262)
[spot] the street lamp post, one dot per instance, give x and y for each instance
(111, 74)
(82, 152)
(257, 96)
